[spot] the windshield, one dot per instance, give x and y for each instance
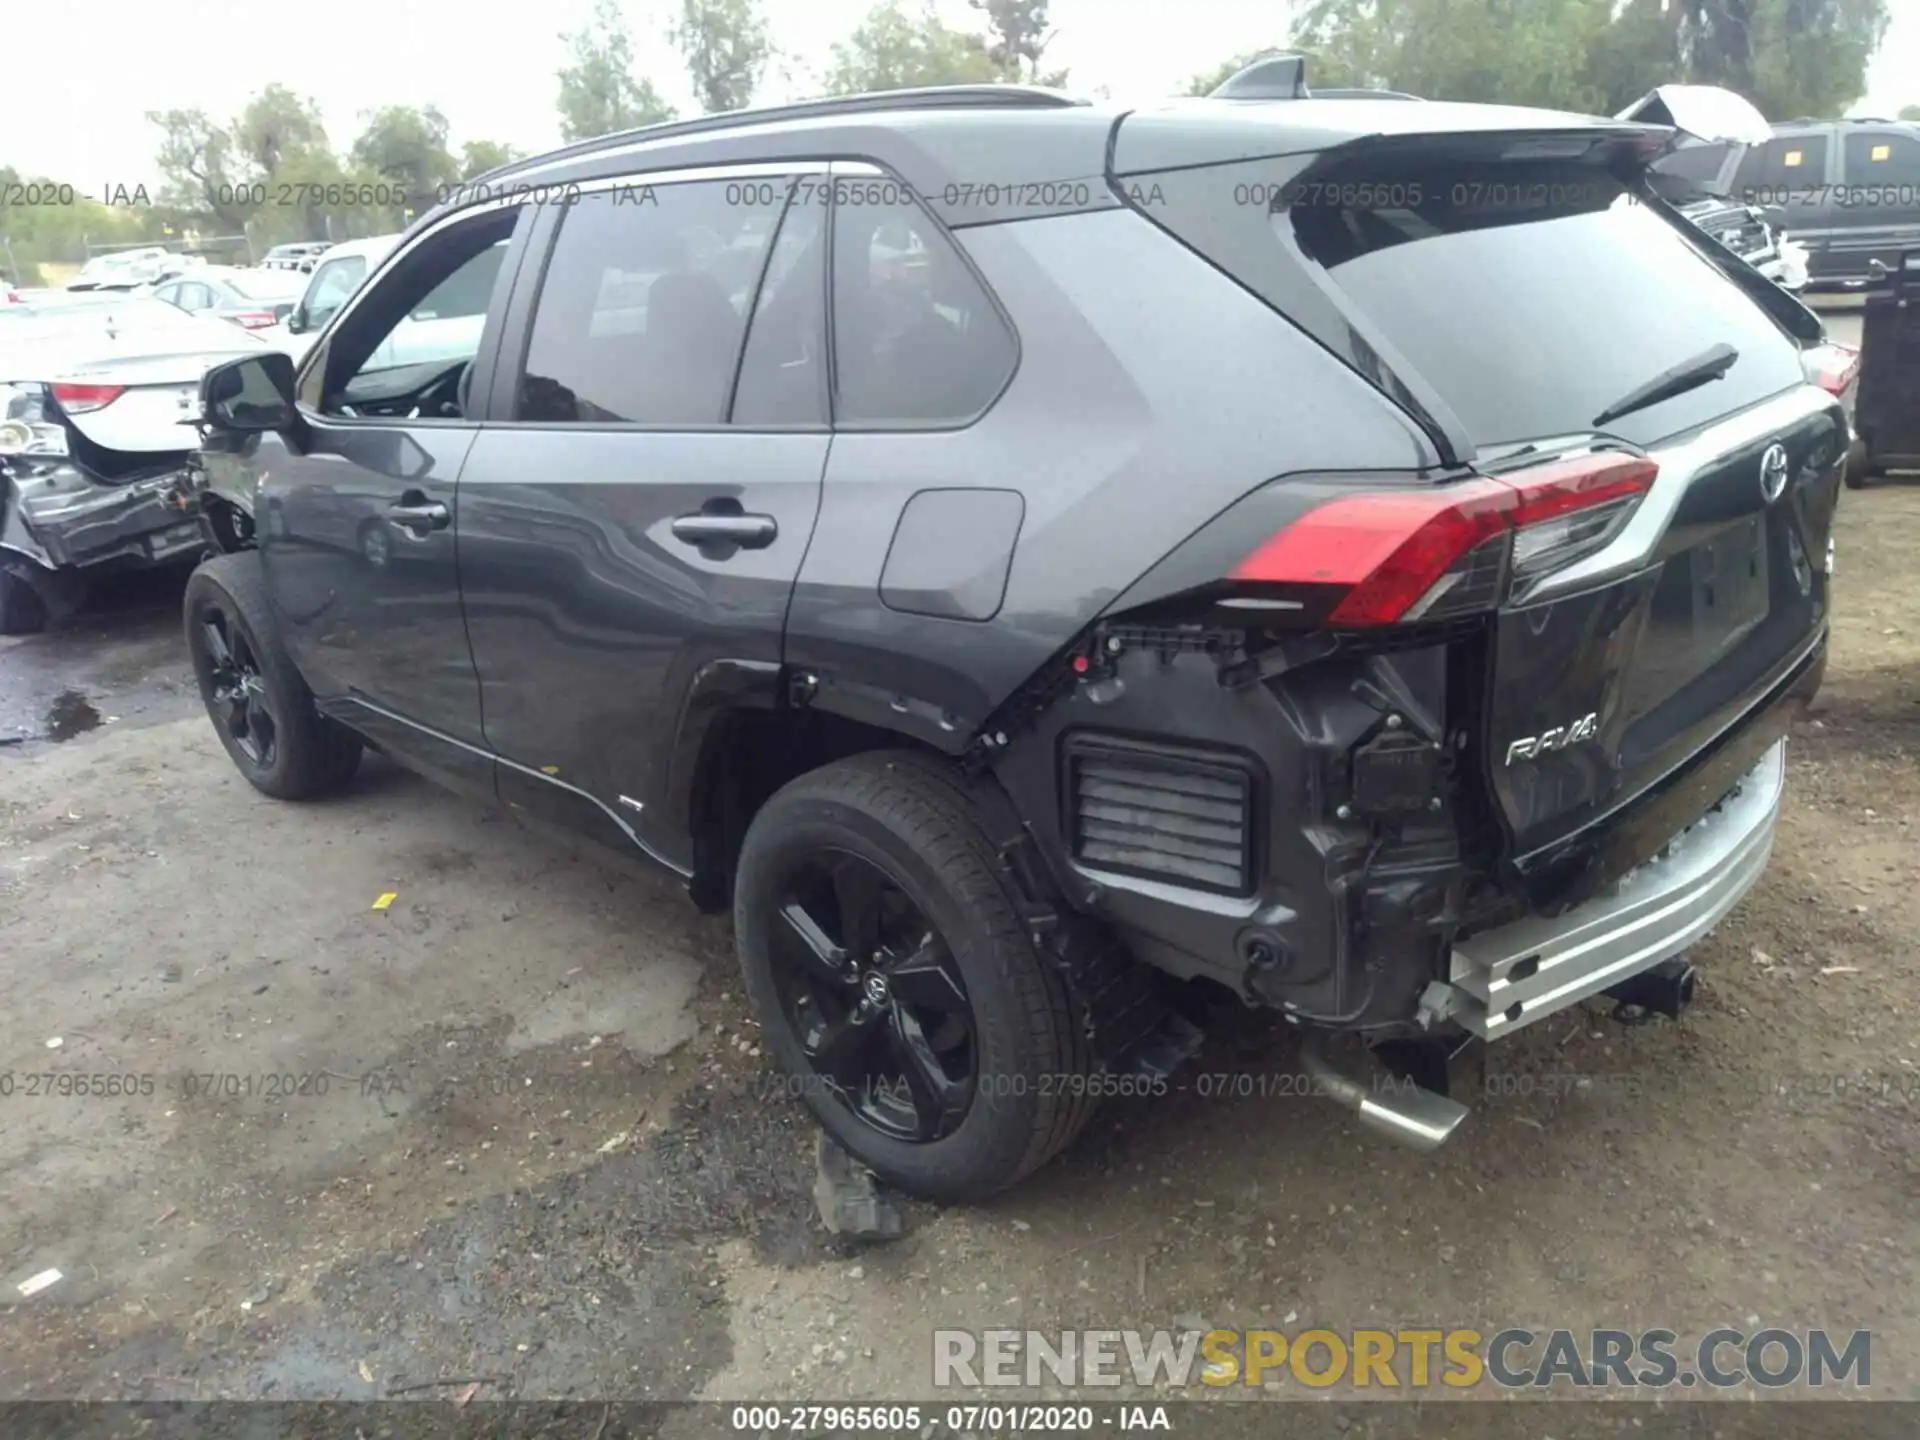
(330, 285)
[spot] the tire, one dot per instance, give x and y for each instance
(21, 612)
(923, 826)
(1857, 476)
(301, 754)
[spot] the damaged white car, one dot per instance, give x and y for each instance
(98, 395)
(1710, 121)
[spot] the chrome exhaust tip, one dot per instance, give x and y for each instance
(1416, 1118)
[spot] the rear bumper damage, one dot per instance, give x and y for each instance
(1510, 977)
(63, 517)
(1623, 942)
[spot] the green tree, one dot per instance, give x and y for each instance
(894, 49)
(1017, 37)
(726, 48)
(1910, 112)
(405, 147)
(477, 157)
(1790, 57)
(1520, 52)
(199, 169)
(598, 91)
(276, 126)
(52, 233)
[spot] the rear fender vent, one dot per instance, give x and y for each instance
(1168, 812)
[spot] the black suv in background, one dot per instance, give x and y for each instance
(1850, 190)
(1039, 561)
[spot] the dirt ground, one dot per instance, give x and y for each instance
(516, 1125)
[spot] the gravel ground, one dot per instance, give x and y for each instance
(516, 1126)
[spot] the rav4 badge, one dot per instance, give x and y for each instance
(1531, 747)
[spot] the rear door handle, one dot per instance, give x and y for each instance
(418, 518)
(749, 532)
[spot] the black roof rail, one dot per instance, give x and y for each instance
(928, 97)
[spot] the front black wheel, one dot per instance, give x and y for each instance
(260, 707)
(897, 985)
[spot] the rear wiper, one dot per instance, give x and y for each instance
(1709, 364)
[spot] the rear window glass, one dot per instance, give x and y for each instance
(1529, 296)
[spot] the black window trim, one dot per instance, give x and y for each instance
(544, 239)
(489, 331)
(511, 367)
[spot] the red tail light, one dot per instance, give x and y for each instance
(1833, 367)
(78, 399)
(1409, 555)
(252, 319)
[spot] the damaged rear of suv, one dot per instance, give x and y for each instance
(1354, 555)
(1439, 748)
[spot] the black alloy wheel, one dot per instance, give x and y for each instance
(875, 998)
(255, 696)
(238, 697)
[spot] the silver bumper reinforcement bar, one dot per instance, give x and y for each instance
(1525, 971)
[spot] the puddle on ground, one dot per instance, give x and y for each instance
(71, 714)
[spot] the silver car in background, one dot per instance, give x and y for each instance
(254, 299)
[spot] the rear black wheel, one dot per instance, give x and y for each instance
(875, 997)
(897, 983)
(260, 707)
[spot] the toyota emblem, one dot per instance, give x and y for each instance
(1773, 473)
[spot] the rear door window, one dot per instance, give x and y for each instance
(1529, 296)
(1885, 164)
(644, 304)
(1789, 170)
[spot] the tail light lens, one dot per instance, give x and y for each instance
(1387, 558)
(252, 319)
(1833, 367)
(78, 399)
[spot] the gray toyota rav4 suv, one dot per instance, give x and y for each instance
(1038, 561)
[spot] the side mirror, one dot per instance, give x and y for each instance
(297, 319)
(244, 397)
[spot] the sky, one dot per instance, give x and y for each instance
(491, 69)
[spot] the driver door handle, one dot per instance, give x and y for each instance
(417, 515)
(749, 532)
